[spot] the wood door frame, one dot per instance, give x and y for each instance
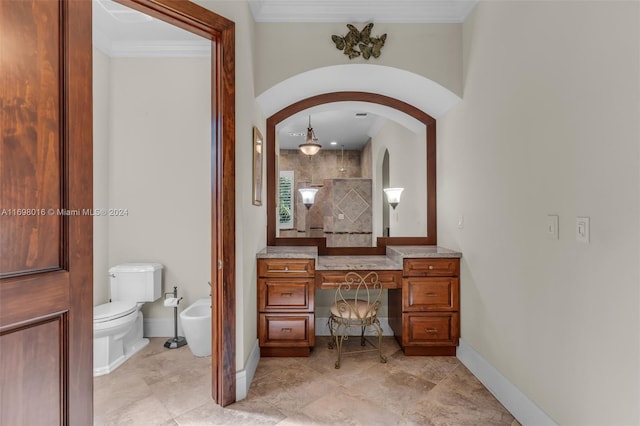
(221, 32)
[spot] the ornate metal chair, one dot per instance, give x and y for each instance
(357, 301)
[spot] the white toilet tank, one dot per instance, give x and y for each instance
(136, 282)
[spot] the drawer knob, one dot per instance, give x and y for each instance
(431, 330)
(286, 330)
(286, 268)
(286, 294)
(430, 294)
(430, 267)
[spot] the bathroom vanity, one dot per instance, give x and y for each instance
(423, 285)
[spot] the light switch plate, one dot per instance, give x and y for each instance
(582, 230)
(552, 226)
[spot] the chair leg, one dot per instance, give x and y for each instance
(331, 344)
(362, 341)
(383, 359)
(339, 339)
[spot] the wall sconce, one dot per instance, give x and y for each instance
(393, 196)
(311, 147)
(308, 196)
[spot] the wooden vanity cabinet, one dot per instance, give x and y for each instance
(425, 313)
(286, 319)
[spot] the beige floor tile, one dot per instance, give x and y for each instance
(340, 408)
(162, 387)
(146, 411)
(237, 414)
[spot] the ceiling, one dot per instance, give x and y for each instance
(122, 32)
(341, 126)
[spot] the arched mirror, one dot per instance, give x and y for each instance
(368, 143)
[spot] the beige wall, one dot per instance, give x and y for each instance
(101, 89)
(159, 170)
(549, 125)
(284, 50)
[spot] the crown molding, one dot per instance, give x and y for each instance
(151, 49)
(352, 11)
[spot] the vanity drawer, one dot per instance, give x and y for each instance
(431, 267)
(332, 279)
(431, 328)
(286, 267)
(430, 294)
(285, 294)
(286, 330)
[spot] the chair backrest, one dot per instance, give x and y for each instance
(358, 297)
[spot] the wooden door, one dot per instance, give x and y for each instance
(46, 327)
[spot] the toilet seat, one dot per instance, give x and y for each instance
(112, 311)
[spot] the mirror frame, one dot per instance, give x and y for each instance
(321, 242)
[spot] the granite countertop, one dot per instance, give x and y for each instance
(391, 262)
(357, 263)
(289, 252)
(405, 252)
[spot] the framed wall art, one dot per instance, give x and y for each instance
(258, 148)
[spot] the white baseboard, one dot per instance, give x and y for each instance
(518, 404)
(160, 327)
(245, 377)
(322, 328)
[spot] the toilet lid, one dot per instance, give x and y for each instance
(112, 310)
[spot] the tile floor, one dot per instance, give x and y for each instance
(171, 387)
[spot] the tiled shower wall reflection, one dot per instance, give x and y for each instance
(342, 210)
(347, 212)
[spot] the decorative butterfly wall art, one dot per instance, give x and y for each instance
(357, 43)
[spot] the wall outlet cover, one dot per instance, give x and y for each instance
(582, 229)
(552, 227)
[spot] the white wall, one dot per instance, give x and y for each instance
(159, 170)
(285, 49)
(549, 125)
(407, 169)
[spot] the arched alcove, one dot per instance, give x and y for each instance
(394, 88)
(413, 89)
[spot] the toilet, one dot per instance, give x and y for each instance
(117, 325)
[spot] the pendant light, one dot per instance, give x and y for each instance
(311, 147)
(342, 169)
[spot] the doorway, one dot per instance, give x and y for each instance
(220, 32)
